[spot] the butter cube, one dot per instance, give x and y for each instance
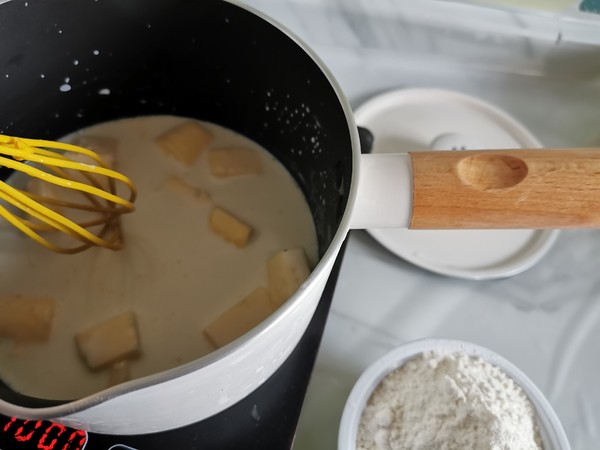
(26, 319)
(185, 142)
(120, 372)
(229, 227)
(48, 192)
(110, 341)
(233, 161)
(42, 188)
(179, 186)
(286, 271)
(105, 147)
(241, 318)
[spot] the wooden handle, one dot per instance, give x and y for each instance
(527, 188)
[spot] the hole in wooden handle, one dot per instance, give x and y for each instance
(491, 171)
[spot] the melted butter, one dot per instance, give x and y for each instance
(174, 273)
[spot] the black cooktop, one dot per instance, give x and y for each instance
(266, 419)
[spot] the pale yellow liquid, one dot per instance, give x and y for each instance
(174, 272)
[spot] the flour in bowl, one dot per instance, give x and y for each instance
(446, 402)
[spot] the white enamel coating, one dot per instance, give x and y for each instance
(384, 197)
(200, 389)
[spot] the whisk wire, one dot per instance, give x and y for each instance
(46, 215)
(30, 157)
(68, 183)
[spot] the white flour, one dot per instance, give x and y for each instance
(448, 401)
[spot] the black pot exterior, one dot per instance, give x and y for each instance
(69, 64)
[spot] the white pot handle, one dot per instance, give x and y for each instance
(384, 195)
(479, 189)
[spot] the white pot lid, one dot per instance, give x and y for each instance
(433, 119)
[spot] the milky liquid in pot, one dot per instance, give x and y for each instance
(174, 272)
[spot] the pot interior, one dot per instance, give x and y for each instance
(70, 64)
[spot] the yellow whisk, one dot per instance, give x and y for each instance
(86, 207)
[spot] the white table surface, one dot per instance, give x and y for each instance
(545, 320)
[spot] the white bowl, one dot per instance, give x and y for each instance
(550, 428)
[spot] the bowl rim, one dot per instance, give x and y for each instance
(551, 431)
